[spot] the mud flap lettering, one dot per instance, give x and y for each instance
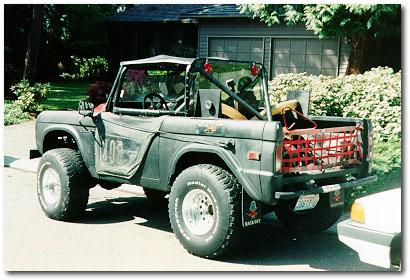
(336, 198)
(251, 210)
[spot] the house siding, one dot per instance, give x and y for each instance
(248, 28)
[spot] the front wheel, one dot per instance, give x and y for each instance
(63, 184)
(317, 219)
(204, 210)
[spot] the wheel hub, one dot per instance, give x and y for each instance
(51, 186)
(198, 212)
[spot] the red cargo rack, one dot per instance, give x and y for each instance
(320, 149)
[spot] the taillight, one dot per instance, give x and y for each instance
(370, 143)
(278, 158)
(370, 148)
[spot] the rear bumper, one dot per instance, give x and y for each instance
(326, 189)
(373, 246)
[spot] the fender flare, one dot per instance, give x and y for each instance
(66, 128)
(226, 157)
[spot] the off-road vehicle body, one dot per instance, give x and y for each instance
(204, 132)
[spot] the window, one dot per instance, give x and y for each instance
(153, 89)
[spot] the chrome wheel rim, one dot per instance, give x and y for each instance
(198, 212)
(51, 186)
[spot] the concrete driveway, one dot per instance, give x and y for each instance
(18, 140)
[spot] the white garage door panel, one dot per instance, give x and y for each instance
(312, 56)
(237, 48)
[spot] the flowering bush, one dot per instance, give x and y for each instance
(30, 97)
(375, 95)
(98, 92)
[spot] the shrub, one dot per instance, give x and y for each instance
(375, 95)
(87, 68)
(30, 97)
(98, 92)
(13, 113)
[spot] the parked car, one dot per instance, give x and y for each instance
(374, 228)
(203, 131)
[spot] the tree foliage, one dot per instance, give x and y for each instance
(362, 24)
(332, 20)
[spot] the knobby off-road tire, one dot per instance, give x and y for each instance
(156, 196)
(314, 220)
(205, 211)
(63, 184)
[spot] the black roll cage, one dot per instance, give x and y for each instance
(195, 66)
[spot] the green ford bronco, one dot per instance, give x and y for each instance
(202, 135)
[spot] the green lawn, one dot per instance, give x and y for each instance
(65, 95)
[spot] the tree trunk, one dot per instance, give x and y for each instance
(363, 54)
(30, 62)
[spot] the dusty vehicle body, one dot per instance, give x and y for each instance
(204, 131)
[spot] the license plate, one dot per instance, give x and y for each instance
(306, 202)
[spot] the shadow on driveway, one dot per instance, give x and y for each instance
(9, 160)
(269, 244)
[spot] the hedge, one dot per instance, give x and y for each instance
(374, 95)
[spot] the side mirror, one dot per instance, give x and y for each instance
(85, 108)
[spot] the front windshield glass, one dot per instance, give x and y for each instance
(152, 88)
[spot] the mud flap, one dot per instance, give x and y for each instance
(336, 198)
(251, 211)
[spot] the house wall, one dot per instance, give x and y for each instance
(242, 28)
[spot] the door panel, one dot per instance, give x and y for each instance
(123, 142)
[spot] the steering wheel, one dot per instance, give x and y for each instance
(155, 105)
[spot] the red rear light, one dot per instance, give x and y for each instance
(370, 149)
(278, 158)
(370, 143)
(208, 67)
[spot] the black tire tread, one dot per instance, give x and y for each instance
(230, 185)
(79, 182)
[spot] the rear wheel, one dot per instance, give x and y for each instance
(313, 220)
(63, 184)
(205, 210)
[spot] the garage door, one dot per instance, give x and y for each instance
(313, 56)
(245, 49)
